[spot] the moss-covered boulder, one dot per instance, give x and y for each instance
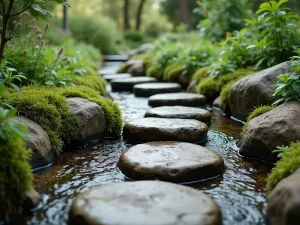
(210, 88)
(264, 133)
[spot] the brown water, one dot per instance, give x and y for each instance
(240, 191)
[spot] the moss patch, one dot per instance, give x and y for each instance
(123, 68)
(201, 74)
(257, 112)
(153, 71)
(172, 72)
(289, 163)
(15, 175)
(210, 88)
(237, 75)
(225, 93)
(94, 82)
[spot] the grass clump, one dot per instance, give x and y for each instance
(289, 163)
(257, 112)
(210, 88)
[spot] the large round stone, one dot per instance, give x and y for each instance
(184, 99)
(146, 90)
(162, 129)
(144, 202)
(170, 161)
(116, 76)
(128, 83)
(180, 112)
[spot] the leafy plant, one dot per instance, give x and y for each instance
(280, 150)
(8, 76)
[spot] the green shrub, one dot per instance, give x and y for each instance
(289, 163)
(101, 33)
(210, 88)
(200, 74)
(257, 112)
(134, 36)
(153, 71)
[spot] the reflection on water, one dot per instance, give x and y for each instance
(240, 191)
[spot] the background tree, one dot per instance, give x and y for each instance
(139, 14)
(126, 14)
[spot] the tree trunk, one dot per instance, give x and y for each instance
(184, 11)
(139, 15)
(126, 14)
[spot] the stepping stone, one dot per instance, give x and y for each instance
(146, 203)
(146, 90)
(115, 58)
(117, 76)
(128, 83)
(184, 99)
(170, 161)
(180, 112)
(161, 129)
(108, 71)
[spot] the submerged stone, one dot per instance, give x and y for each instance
(146, 90)
(162, 129)
(170, 161)
(144, 202)
(180, 112)
(128, 83)
(172, 99)
(116, 76)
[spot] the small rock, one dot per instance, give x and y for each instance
(32, 199)
(128, 83)
(264, 133)
(284, 201)
(192, 88)
(217, 103)
(172, 99)
(161, 129)
(146, 90)
(116, 76)
(146, 203)
(255, 90)
(38, 141)
(180, 112)
(136, 68)
(91, 116)
(170, 161)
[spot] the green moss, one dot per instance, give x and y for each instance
(96, 83)
(237, 75)
(147, 61)
(153, 71)
(201, 74)
(15, 175)
(225, 93)
(172, 72)
(139, 56)
(210, 88)
(111, 109)
(49, 109)
(289, 163)
(123, 68)
(257, 112)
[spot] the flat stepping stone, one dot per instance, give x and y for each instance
(115, 58)
(128, 83)
(180, 112)
(162, 129)
(172, 99)
(116, 76)
(108, 71)
(146, 90)
(146, 203)
(170, 161)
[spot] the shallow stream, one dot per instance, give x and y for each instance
(240, 191)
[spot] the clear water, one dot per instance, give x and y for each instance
(240, 191)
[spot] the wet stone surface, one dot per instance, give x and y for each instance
(128, 83)
(180, 112)
(162, 129)
(146, 90)
(144, 202)
(110, 77)
(170, 161)
(183, 99)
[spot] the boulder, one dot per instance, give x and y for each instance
(38, 141)
(280, 126)
(192, 88)
(161, 129)
(135, 67)
(170, 161)
(284, 201)
(127, 84)
(32, 199)
(172, 99)
(255, 90)
(146, 90)
(180, 112)
(146, 203)
(91, 116)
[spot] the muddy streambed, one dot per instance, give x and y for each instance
(240, 191)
